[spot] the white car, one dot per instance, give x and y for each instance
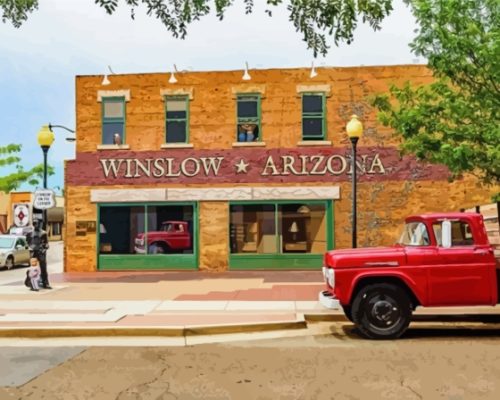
(14, 250)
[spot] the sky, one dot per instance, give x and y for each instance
(63, 38)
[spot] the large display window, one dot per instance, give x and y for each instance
(292, 234)
(147, 236)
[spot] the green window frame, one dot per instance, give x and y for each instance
(173, 117)
(277, 260)
(311, 116)
(108, 262)
(113, 123)
(243, 135)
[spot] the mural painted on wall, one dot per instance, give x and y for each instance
(245, 166)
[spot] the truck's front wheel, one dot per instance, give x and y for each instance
(381, 311)
(347, 312)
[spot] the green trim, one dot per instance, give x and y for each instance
(98, 234)
(283, 260)
(241, 97)
(275, 261)
(321, 115)
(186, 120)
(122, 120)
(196, 228)
(143, 261)
(330, 233)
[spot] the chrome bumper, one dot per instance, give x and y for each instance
(327, 300)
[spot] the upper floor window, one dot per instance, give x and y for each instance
(177, 119)
(313, 116)
(113, 120)
(248, 115)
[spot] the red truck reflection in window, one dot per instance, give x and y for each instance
(172, 237)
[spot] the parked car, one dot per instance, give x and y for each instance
(173, 236)
(14, 250)
(441, 260)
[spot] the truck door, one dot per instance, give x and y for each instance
(460, 276)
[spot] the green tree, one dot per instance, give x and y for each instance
(315, 19)
(9, 158)
(454, 120)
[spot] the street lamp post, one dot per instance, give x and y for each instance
(69, 139)
(45, 140)
(354, 130)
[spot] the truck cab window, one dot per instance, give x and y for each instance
(414, 234)
(461, 233)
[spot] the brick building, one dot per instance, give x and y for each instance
(214, 172)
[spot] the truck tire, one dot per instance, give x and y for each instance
(381, 311)
(347, 312)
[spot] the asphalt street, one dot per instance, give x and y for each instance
(329, 362)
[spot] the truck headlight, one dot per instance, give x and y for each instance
(330, 276)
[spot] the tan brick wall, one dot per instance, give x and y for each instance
(80, 251)
(214, 236)
(383, 206)
(213, 107)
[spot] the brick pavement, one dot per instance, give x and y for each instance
(171, 303)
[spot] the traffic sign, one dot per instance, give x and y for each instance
(44, 199)
(21, 214)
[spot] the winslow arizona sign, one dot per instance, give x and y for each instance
(244, 165)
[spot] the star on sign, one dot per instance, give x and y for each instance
(241, 167)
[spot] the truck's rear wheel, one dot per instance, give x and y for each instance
(381, 311)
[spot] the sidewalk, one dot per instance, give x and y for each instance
(172, 304)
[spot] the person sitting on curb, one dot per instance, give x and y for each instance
(33, 275)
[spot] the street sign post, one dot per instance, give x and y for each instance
(44, 199)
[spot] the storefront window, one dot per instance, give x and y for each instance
(170, 230)
(253, 229)
(120, 226)
(148, 236)
(301, 228)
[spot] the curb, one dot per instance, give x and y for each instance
(193, 330)
(325, 318)
(128, 331)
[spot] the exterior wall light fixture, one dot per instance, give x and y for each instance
(246, 75)
(173, 79)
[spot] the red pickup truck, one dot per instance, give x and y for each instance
(172, 237)
(440, 260)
